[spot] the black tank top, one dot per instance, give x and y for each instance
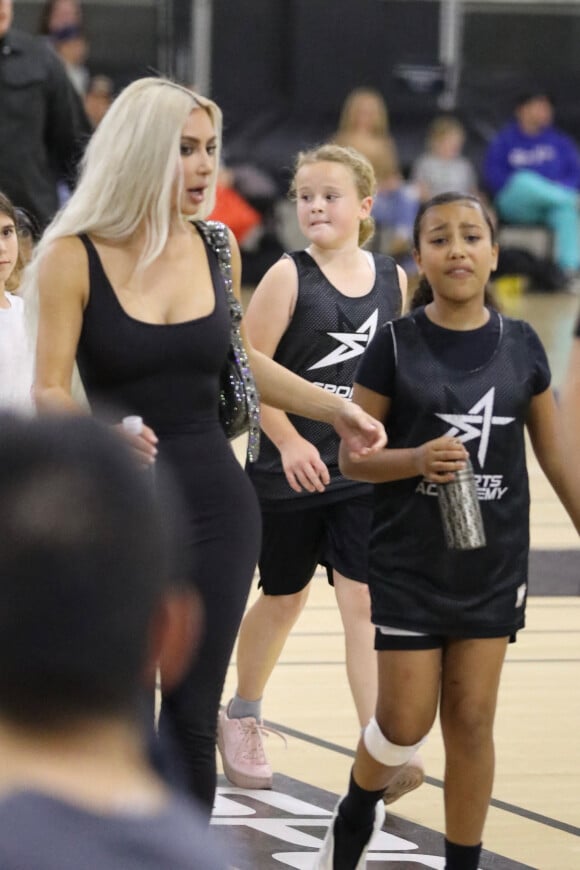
(168, 374)
(323, 343)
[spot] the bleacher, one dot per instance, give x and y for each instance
(281, 70)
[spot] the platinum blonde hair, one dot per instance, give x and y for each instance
(128, 174)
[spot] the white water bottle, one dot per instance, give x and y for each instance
(133, 424)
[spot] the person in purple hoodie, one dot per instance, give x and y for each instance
(532, 170)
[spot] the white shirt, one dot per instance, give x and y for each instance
(16, 364)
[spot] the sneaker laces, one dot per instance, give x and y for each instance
(252, 748)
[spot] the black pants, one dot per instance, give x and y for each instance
(226, 532)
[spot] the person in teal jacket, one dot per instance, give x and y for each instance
(532, 169)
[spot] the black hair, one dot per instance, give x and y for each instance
(424, 293)
(46, 14)
(86, 555)
(530, 94)
(26, 224)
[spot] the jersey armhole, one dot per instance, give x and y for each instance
(287, 256)
(394, 337)
(372, 262)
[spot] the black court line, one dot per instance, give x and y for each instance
(534, 631)
(438, 783)
(339, 663)
(528, 631)
(542, 661)
(556, 602)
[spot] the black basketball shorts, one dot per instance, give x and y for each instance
(294, 542)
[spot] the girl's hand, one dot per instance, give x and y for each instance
(143, 444)
(437, 460)
(362, 434)
(303, 467)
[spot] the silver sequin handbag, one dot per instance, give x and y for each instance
(239, 401)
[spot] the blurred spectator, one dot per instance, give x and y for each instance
(56, 14)
(62, 22)
(90, 602)
(236, 212)
(533, 171)
(15, 352)
(442, 167)
(43, 124)
(364, 125)
(28, 233)
(98, 98)
(245, 198)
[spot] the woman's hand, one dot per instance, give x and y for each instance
(437, 460)
(143, 443)
(303, 467)
(361, 434)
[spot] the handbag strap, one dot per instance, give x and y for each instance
(217, 237)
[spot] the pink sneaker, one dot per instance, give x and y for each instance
(410, 777)
(242, 751)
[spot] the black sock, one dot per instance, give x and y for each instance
(354, 825)
(461, 857)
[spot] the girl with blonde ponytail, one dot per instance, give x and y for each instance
(314, 312)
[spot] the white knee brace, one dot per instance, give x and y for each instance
(385, 752)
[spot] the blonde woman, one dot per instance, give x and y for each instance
(131, 291)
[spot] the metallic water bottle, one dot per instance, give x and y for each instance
(460, 511)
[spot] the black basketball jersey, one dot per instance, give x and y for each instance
(323, 343)
(416, 582)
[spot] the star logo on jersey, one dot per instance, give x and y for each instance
(476, 423)
(351, 344)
